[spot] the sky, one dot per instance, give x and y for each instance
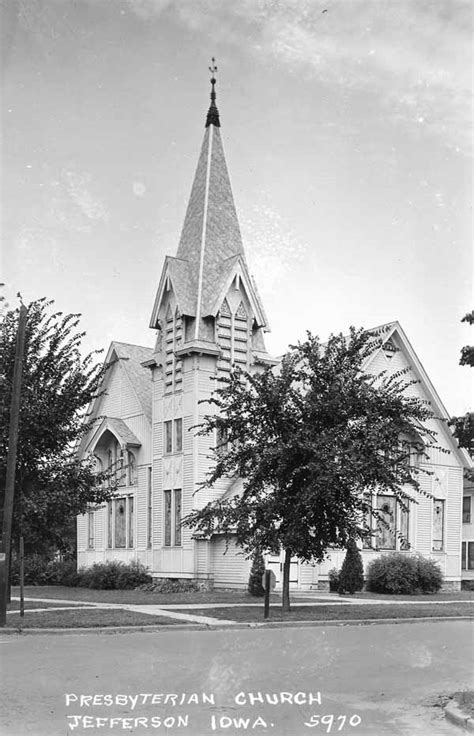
(347, 129)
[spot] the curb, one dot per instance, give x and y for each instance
(156, 628)
(454, 714)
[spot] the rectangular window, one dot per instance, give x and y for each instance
(466, 510)
(470, 555)
(168, 437)
(463, 556)
(110, 525)
(150, 511)
(438, 526)
(389, 524)
(386, 523)
(90, 529)
(368, 540)
(132, 474)
(403, 529)
(178, 435)
(172, 516)
(177, 518)
(167, 500)
(173, 436)
(130, 521)
(120, 523)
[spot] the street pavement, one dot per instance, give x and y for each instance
(361, 680)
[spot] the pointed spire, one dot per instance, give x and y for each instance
(213, 112)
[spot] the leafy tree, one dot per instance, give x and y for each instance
(257, 571)
(311, 441)
(351, 577)
(467, 352)
(464, 431)
(51, 485)
(463, 427)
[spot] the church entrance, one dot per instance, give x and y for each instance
(275, 563)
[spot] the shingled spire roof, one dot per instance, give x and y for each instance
(211, 241)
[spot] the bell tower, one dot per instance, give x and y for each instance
(208, 318)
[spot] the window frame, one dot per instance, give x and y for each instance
(172, 517)
(467, 555)
(400, 532)
(466, 513)
(173, 436)
(90, 530)
(128, 523)
(149, 532)
(442, 541)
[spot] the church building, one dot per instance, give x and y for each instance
(208, 317)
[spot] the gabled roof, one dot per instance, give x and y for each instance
(394, 329)
(119, 428)
(132, 356)
(176, 274)
(225, 273)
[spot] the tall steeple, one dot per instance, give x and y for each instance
(210, 252)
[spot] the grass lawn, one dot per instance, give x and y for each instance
(84, 619)
(137, 597)
(460, 595)
(140, 597)
(15, 605)
(336, 613)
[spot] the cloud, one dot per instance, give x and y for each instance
(413, 55)
(76, 186)
(271, 245)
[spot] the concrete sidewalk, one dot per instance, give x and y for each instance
(177, 610)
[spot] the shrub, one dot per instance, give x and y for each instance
(333, 576)
(351, 577)
(42, 570)
(403, 574)
(113, 575)
(257, 571)
(430, 577)
(62, 572)
(175, 585)
(34, 569)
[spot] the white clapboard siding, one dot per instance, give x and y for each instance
(203, 557)
(82, 532)
(141, 502)
(157, 439)
(422, 514)
(120, 399)
(230, 570)
(188, 434)
(454, 510)
(379, 363)
(157, 504)
(307, 575)
(140, 427)
(100, 528)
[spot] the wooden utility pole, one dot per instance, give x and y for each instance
(11, 467)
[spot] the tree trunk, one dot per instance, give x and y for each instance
(285, 602)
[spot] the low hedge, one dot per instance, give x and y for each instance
(41, 570)
(112, 575)
(399, 573)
